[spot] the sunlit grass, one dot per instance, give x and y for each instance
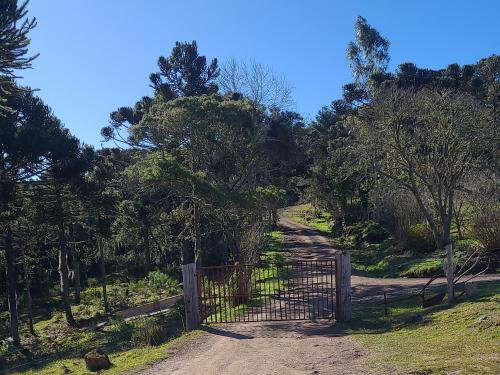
(462, 339)
(369, 259)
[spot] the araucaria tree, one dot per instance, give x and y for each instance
(428, 142)
(14, 29)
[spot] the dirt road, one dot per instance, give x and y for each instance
(282, 347)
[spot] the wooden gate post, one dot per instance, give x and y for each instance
(343, 287)
(190, 286)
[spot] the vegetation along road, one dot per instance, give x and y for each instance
(292, 347)
(104, 217)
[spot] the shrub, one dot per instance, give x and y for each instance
(486, 228)
(420, 238)
(162, 283)
(150, 332)
(397, 210)
(374, 233)
(368, 231)
(119, 325)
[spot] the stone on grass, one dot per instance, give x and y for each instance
(97, 360)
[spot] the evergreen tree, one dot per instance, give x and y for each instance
(14, 41)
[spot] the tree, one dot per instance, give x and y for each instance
(428, 142)
(13, 46)
(24, 146)
(369, 53)
(66, 163)
(184, 73)
(99, 198)
(257, 82)
(211, 136)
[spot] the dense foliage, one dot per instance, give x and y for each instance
(198, 174)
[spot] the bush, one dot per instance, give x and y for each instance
(397, 210)
(420, 238)
(486, 228)
(150, 332)
(162, 283)
(120, 326)
(368, 231)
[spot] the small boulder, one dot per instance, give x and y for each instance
(97, 360)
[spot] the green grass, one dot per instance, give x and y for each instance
(305, 214)
(57, 346)
(462, 339)
(124, 361)
(381, 259)
(58, 343)
(123, 292)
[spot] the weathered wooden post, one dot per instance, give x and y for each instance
(343, 287)
(190, 286)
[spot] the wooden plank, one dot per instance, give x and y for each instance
(191, 300)
(149, 308)
(343, 287)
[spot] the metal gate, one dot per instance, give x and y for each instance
(290, 290)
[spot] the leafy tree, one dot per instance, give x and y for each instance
(183, 73)
(210, 136)
(427, 142)
(369, 53)
(14, 29)
(283, 151)
(25, 135)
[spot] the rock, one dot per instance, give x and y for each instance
(97, 360)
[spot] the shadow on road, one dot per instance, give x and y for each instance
(292, 329)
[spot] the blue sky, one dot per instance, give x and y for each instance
(96, 55)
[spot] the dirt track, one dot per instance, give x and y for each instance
(282, 347)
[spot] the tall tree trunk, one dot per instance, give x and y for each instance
(30, 305)
(457, 213)
(450, 268)
(449, 272)
(76, 277)
(197, 236)
(29, 299)
(102, 268)
(147, 249)
(11, 275)
(63, 259)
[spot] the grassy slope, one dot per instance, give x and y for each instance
(463, 339)
(370, 259)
